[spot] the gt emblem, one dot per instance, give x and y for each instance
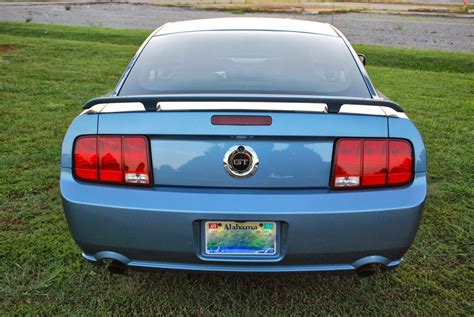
(241, 161)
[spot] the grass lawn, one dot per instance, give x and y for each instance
(48, 72)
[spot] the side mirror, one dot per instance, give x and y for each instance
(362, 58)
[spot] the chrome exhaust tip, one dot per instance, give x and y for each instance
(369, 269)
(117, 267)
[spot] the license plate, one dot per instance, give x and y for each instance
(240, 238)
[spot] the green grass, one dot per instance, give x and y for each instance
(48, 72)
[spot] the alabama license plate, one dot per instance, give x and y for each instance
(240, 238)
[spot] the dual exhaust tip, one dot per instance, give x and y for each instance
(115, 266)
(370, 269)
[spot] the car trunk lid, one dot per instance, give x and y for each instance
(294, 151)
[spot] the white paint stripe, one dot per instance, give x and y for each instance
(94, 109)
(362, 109)
(123, 107)
(389, 112)
(372, 111)
(244, 106)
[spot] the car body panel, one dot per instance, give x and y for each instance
(284, 163)
(284, 124)
(295, 151)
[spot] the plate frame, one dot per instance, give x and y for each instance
(261, 256)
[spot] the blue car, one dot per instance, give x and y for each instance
(244, 145)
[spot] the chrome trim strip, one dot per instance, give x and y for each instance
(372, 111)
(241, 106)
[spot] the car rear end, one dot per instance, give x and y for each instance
(338, 182)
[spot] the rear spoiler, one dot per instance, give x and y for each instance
(230, 102)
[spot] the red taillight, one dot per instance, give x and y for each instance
(372, 163)
(110, 159)
(136, 165)
(400, 163)
(348, 163)
(113, 159)
(85, 158)
(375, 163)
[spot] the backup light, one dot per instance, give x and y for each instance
(347, 181)
(372, 163)
(112, 159)
(136, 178)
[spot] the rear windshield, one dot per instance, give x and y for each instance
(255, 62)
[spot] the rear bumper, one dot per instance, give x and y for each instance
(321, 230)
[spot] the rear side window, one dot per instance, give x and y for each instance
(259, 62)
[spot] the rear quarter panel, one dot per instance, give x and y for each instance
(82, 124)
(405, 129)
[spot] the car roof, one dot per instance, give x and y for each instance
(247, 24)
